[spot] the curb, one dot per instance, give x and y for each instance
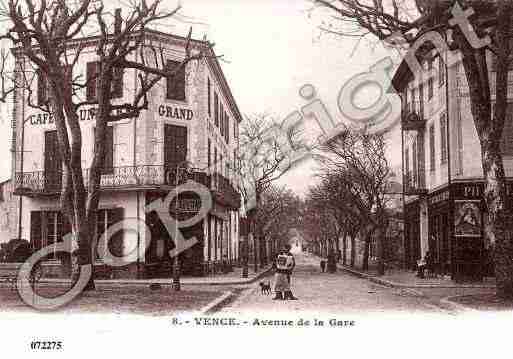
(166, 281)
(214, 305)
(391, 284)
(456, 306)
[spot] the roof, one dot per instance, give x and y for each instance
(212, 59)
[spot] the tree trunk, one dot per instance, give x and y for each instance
(353, 249)
(381, 252)
(498, 220)
(366, 250)
(344, 248)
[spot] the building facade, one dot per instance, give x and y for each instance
(189, 132)
(443, 177)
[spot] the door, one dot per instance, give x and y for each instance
(175, 149)
(53, 163)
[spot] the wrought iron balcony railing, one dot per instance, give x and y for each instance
(413, 118)
(42, 182)
(412, 185)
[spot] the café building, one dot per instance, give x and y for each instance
(189, 131)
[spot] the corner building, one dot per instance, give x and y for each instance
(189, 131)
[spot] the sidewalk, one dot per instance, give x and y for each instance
(233, 278)
(400, 278)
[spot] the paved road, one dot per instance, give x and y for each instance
(332, 293)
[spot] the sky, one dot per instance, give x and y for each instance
(270, 49)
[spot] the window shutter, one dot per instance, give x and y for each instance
(432, 147)
(92, 72)
(443, 138)
(42, 88)
(176, 84)
(216, 109)
(108, 161)
(35, 229)
(117, 82)
(507, 133)
(227, 129)
(221, 122)
(208, 96)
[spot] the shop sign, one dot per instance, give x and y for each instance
(176, 113)
(439, 197)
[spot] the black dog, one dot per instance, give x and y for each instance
(265, 287)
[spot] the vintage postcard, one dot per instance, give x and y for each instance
(298, 177)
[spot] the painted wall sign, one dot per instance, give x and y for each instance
(175, 112)
(45, 118)
(467, 219)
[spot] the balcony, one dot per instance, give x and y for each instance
(412, 185)
(42, 183)
(412, 119)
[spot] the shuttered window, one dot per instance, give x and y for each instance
(105, 219)
(507, 133)
(216, 109)
(92, 76)
(117, 82)
(42, 88)
(432, 147)
(227, 129)
(221, 119)
(208, 97)
(176, 84)
(443, 138)
(36, 230)
(108, 159)
(430, 88)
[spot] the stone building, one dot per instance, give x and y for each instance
(443, 177)
(190, 131)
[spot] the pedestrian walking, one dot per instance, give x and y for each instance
(285, 264)
(332, 263)
(323, 265)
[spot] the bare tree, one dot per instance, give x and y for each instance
(265, 157)
(356, 165)
(383, 19)
(43, 34)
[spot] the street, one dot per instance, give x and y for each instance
(332, 293)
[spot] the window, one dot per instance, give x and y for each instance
(443, 138)
(104, 219)
(227, 127)
(208, 97)
(117, 82)
(92, 76)
(108, 159)
(432, 147)
(175, 84)
(93, 71)
(216, 109)
(414, 160)
(421, 101)
(430, 88)
(413, 100)
(221, 119)
(42, 88)
(209, 150)
(46, 229)
(235, 168)
(506, 144)
(441, 71)
(407, 165)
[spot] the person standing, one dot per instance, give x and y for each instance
(323, 265)
(285, 264)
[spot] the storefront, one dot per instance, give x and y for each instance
(455, 231)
